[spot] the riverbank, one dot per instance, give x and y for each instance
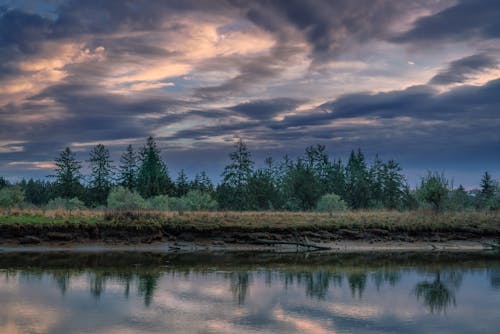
(30, 228)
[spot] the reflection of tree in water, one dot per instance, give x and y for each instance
(495, 278)
(147, 286)
(386, 276)
(317, 283)
(240, 282)
(97, 284)
(357, 283)
(62, 280)
(438, 294)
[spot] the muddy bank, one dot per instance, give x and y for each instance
(81, 234)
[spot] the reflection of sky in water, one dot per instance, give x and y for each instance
(284, 300)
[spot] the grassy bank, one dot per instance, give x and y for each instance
(149, 226)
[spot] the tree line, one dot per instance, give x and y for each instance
(313, 181)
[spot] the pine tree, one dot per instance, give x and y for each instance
(153, 178)
(68, 174)
(101, 174)
(182, 184)
(488, 189)
(202, 183)
(128, 169)
(393, 183)
(232, 192)
(357, 181)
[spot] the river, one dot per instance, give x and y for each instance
(258, 292)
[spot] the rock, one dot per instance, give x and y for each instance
(29, 239)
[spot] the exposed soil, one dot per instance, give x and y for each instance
(166, 237)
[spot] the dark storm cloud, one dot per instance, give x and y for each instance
(466, 19)
(266, 109)
(329, 26)
(462, 69)
(419, 102)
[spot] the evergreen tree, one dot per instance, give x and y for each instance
(182, 185)
(37, 192)
(128, 169)
(459, 199)
(262, 190)
(487, 190)
(3, 182)
(153, 178)
(317, 160)
(68, 174)
(202, 183)
(393, 183)
(377, 178)
(357, 181)
(101, 174)
(232, 193)
(336, 179)
(305, 187)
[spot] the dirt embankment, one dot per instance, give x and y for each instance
(82, 233)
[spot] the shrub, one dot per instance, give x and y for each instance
(434, 190)
(122, 198)
(196, 200)
(65, 204)
(11, 197)
(160, 203)
(331, 203)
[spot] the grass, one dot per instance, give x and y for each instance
(392, 221)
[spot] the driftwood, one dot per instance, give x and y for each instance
(297, 243)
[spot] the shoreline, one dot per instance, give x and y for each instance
(345, 246)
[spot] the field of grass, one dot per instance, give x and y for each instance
(410, 222)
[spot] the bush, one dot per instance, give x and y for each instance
(122, 198)
(331, 203)
(160, 203)
(65, 204)
(434, 190)
(196, 200)
(11, 197)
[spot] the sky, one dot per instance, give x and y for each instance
(417, 81)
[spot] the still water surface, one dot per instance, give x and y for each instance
(249, 293)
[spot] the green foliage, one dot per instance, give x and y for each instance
(182, 185)
(11, 197)
(331, 203)
(202, 183)
(3, 182)
(357, 181)
(434, 190)
(68, 174)
(232, 192)
(262, 190)
(37, 192)
(459, 199)
(488, 193)
(153, 178)
(304, 186)
(196, 200)
(70, 204)
(161, 203)
(101, 174)
(122, 198)
(127, 174)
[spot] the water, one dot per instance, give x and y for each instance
(249, 293)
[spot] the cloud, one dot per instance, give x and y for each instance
(463, 69)
(266, 109)
(464, 20)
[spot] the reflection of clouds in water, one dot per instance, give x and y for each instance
(26, 318)
(236, 302)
